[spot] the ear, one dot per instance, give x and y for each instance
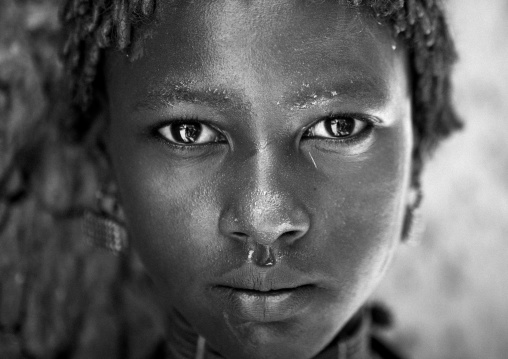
(412, 227)
(100, 134)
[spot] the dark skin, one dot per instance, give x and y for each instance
(263, 155)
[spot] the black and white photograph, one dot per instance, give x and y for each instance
(253, 179)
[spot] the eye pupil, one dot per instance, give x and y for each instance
(341, 127)
(186, 132)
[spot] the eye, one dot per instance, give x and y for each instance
(337, 127)
(188, 133)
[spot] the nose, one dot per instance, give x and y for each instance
(264, 214)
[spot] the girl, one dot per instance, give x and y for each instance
(262, 158)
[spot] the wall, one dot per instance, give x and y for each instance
(450, 294)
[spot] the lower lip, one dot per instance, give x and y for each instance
(271, 306)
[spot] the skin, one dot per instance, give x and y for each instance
(268, 200)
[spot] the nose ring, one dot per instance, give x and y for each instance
(262, 255)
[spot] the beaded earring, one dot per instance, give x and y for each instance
(102, 226)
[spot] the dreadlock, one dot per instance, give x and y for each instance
(93, 26)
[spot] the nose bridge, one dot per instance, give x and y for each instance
(265, 207)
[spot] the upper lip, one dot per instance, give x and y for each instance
(251, 277)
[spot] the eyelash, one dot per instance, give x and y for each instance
(155, 132)
(370, 123)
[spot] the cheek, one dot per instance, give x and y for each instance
(172, 214)
(360, 207)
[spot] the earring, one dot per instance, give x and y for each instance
(102, 227)
(413, 227)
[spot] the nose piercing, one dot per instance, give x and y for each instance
(263, 255)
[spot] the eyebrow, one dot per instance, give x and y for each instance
(168, 96)
(360, 90)
(363, 91)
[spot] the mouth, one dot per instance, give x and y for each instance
(266, 294)
(264, 306)
(278, 294)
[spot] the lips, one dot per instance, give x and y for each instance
(256, 295)
(252, 277)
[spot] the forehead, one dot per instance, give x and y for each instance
(245, 44)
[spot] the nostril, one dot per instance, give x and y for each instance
(291, 234)
(239, 235)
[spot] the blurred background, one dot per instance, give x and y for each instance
(60, 299)
(451, 296)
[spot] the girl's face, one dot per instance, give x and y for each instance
(262, 151)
